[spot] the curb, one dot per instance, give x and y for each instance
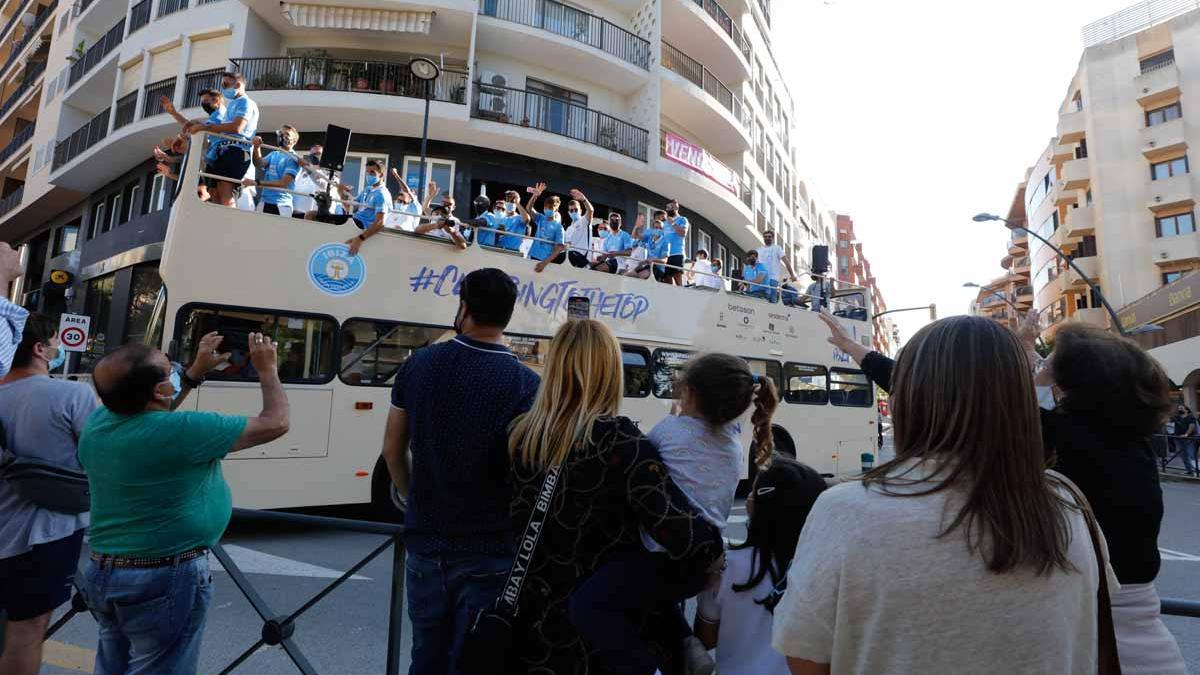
(1177, 478)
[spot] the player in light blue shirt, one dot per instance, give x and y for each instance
(754, 272)
(516, 220)
(232, 159)
(495, 219)
(279, 169)
(550, 243)
(375, 200)
(675, 231)
(617, 245)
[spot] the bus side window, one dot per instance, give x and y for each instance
(770, 369)
(531, 351)
(636, 362)
(305, 342)
(667, 364)
(372, 351)
(849, 388)
(807, 384)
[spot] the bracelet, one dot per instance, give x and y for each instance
(189, 381)
(361, 237)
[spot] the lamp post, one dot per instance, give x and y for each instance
(426, 71)
(1112, 313)
(992, 291)
(932, 309)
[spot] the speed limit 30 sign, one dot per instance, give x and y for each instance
(73, 332)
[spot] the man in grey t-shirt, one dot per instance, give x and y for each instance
(39, 549)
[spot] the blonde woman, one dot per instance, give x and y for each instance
(612, 483)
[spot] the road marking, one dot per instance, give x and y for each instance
(68, 657)
(257, 562)
(1168, 554)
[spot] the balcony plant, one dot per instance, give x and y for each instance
(607, 136)
(315, 61)
(271, 80)
(458, 94)
(77, 55)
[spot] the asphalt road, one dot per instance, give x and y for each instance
(347, 631)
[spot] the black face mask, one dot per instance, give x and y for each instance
(315, 158)
(208, 108)
(672, 212)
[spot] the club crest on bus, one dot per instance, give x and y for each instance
(333, 270)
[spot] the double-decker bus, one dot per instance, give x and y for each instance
(345, 324)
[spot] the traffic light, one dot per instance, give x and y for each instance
(933, 312)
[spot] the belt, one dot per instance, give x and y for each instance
(144, 562)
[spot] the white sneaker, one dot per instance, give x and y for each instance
(696, 660)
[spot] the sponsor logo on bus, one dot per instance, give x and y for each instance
(334, 271)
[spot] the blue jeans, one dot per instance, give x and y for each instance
(151, 620)
(444, 595)
(1188, 450)
(769, 294)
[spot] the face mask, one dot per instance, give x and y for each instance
(371, 180)
(575, 215)
(499, 211)
(314, 158)
(173, 378)
(59, 357)
(230, 93)
(510, 207)
(672, 212)
(208, 108)
(550, 212)
(458, 321)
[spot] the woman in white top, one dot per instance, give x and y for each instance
(962, 555)
(735, 615)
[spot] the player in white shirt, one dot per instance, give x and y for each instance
(773, 257)
(579, 233)
(405, 213)
(701, 274)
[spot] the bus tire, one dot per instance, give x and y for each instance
(385, 501)
(784, 445)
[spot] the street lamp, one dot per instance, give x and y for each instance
(991, 290)
(932, 309)
(1147, 328)
(426, 71)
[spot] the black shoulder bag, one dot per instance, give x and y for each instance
(489, 646)
(47, 485)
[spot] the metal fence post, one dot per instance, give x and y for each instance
(396, 611)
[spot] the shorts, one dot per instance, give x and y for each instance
(577, 259)
(37, 581)
(231, 162)
(609, 266)
(277, 209)
(675, 261)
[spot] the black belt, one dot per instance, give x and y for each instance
(144, 562)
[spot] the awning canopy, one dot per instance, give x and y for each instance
(1179, 359)
(356, 18)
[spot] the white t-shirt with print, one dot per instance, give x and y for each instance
(403, 217)
(578, 236)
(874, 590)
(706, 279)
(772, 257)
(744, 638)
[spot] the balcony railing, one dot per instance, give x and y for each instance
(139, 16)
(572, 23)
(152, 104)
(126, 110)
(695, 72)
(367, 77)
(1157, 64)
(557, 116)
(96, 53)
(727, 24)
(31, 75)
(30, 33)
(747, 196)
(198, 82)
(20, 139)
(12, 20)
(166, 7)
(12, 201)
(84, 137)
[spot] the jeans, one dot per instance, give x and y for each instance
(1188, 450)
(152, 619)
(444, 595)
(761, 291)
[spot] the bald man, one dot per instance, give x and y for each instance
(159, 500)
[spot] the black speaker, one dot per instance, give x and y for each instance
(337, 143)
(820, 259)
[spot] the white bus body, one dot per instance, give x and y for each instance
(239, 271)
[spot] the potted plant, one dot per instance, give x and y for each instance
(77, 55)
(607, 136)
(458, 94)
(270, 80)
(315, 61)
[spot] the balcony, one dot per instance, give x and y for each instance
(33, 73)
(18, 141)
(96, 53)
(166, 7)
(153, 94)
(1018, 242)
(1080, 221)
(199, 81)
(1076, 174)
(1023, 294)
(1096, 316)
(139, 16)
(1072, 126)
(126, 110)
(1170, 193)
(718, 117)
(81, 140)
(1020, 264)
(1162, 140)
(1062, 152)
(1064, 196)
(1090, 266)
(382, 78)
(704, 27)
(557, 116)
(30, 33)
(1158, 85)
(1178, 249)
(12, 200)
(573, 24)
(12, 20)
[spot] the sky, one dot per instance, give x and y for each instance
(914, 116)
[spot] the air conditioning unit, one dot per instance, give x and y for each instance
(493, 78)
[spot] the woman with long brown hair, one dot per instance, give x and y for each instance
(961, 555)
(609, 482)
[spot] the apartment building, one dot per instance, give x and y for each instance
(633, 101)
(853, 267)
(1009, 296)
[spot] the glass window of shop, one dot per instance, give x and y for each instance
(440, 171)
(97, 303)
(143, 292)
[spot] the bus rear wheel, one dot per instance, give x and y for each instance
(385, 499)
(784, 445)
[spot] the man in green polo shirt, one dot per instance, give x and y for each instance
(159, 500)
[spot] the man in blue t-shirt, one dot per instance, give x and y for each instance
(232, 158)
(495, 219)
(617, 245)
(373, 203)
(756, 276)
(675, 232)
(457, 530)
(549, 245)
(279, 170)
(515, 221)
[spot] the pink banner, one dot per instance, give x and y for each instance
(697, 159)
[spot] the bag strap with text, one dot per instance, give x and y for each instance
(511, 592)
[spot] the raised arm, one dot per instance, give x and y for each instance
(524, 214)
(169, 107)
(273, 421)
(588, 209)
(876, 366)
(431, 191)
(206, 360)
(534, 194)
(256, 150)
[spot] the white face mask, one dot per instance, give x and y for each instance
(510, 207)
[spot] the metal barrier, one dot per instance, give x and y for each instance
(1168, 447)
(279, 629)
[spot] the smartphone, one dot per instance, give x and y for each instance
(579, 307)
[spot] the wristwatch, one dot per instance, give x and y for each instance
(361, 237)
(189, 381)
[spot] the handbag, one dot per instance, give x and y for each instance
(1109, 661)
(488, 647)
(47, 485)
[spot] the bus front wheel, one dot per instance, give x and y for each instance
(385, 499)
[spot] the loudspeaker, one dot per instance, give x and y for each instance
(337, 143)
(820, 258)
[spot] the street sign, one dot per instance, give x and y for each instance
(73, 332)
